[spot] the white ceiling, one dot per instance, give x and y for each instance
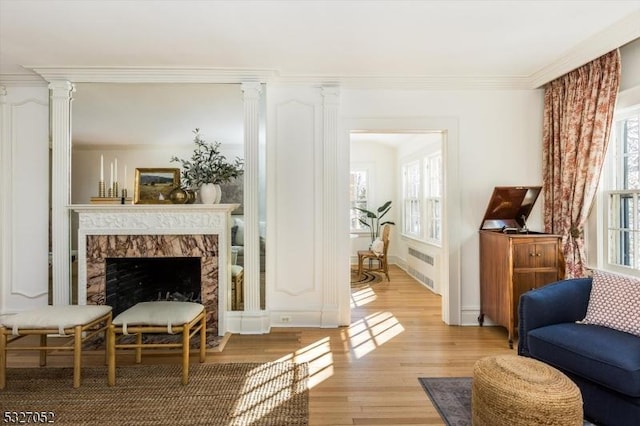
(330, 40)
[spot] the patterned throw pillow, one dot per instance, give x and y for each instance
(614, 302)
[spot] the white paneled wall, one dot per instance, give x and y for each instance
(302, 134)
(24, 214)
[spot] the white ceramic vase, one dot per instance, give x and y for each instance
(210, 193)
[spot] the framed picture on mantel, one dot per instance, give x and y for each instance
(153, 186)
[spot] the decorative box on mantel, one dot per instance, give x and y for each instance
(158, 231)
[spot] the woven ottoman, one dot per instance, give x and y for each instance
(510, 390)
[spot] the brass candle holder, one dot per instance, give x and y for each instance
(101, 189)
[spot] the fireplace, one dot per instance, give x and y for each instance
(134, 234)
(133, 280)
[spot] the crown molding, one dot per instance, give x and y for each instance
(152, 74)
(619, 34)
(410, 82)
(230, 76)
(22, 80)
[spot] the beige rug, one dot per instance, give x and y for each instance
(218, 394)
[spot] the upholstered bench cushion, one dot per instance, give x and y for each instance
(604, 355)
(159, 313)
(52, 317)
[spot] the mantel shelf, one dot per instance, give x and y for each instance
(165, 208)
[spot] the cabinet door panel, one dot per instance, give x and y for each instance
(524, 255)
(545, 277)
(547, 255)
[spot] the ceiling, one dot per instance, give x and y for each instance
(519, 41)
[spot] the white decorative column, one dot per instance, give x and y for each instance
(331, 260)
(61, 189)
(253, 319)
(5, 193)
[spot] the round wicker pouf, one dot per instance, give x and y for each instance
(513, 390)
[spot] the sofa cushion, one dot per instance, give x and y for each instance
(608, 357)
(614, 302)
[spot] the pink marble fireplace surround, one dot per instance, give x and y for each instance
(164, 230)
(205, 247)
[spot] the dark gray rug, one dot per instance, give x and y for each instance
(365, 279)
(451, 396)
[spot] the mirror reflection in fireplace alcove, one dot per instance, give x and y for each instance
(143, 126)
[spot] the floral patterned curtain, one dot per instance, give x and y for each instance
(578, 112)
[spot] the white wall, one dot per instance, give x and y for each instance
(500, 134)
(24, 198)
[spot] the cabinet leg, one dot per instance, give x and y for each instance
(481, 319)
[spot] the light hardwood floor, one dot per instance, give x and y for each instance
(366, 373)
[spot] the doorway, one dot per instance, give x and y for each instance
(449, 249)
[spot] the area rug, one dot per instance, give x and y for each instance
(273, 394)
(451, 396)
(364, 279)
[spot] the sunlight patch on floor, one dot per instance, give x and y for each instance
(362, 297)
(319, 357)
(365, 335)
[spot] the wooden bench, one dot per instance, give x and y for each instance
(82, 322)
(186, 318)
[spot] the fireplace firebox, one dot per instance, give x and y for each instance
(145, 279)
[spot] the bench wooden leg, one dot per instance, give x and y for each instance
(111, 355)
(77, 355)
(203, 337)
(186, 330)
(3, 358)
(43, 352)
(138, 348)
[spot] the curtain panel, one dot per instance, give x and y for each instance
(578, 112)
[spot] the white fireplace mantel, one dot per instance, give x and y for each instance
(159, 219)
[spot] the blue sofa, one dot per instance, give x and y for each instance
(604, 363)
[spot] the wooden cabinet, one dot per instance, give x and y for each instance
(511, 264)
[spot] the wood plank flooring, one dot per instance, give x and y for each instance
(367, 373)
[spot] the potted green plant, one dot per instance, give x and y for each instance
(373, 219)
(207, 169)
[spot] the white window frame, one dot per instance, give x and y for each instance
(619, 230)
(360, 228)
(422, 189)
(412, 196)
(433, 197)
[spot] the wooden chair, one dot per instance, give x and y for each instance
(372, 256)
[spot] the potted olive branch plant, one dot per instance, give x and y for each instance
(374, 218)
(208, 168)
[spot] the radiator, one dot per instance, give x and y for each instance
(423, 267)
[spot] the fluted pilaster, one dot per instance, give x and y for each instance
(252, 93)
(331, 103)
(60, 93)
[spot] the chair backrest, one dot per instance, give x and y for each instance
(385, 238)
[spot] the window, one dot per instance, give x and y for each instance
(359, 197)
(433, 195)
(622, 219)
(422, 198)
(411, 199)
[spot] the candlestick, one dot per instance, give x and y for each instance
(101, 189)
(111, 182)
(115, 171)
(101, 168)
(124, 183)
